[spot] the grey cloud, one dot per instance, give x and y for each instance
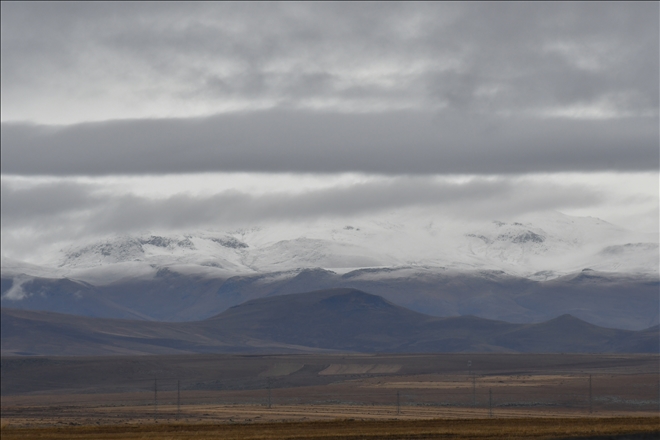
(405, 142)
(20, 204)
(291, 53)
(80, 209)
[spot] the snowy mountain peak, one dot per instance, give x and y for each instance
(145, 248)
(538, 248)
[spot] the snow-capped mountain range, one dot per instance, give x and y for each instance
(525, 270)
(539, 248)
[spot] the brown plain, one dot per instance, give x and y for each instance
(527, 428)
(331, 396)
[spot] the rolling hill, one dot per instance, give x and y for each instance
(605, 299)
(345, 320)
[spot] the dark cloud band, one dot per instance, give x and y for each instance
(80, 205)
(295, 141)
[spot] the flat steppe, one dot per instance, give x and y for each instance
(331, 396)
(627, 428)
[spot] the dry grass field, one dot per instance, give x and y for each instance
(485, 429)
(331, 396)
(415, 394)
(34, 417)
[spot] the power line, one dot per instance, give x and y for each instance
(155, 398)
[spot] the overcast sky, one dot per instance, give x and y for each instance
(125, 117)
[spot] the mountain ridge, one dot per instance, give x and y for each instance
(551, 242)
(618, 300)
(343, 320)
(522, 271)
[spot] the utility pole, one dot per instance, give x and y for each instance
(490, 402)
(269, 402)
(178, 399)
(155, 398)
(398, 403)
(474, 392)
(591, 408)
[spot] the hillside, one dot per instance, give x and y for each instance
(606, 299)
(346, 320)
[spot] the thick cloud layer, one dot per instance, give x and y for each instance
(325, 87)
(295, 141)
(72, 62)
(407, 94)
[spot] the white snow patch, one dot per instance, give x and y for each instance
(539, 247)
(16, 292)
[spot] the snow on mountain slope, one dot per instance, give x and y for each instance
(11, 268)
(629, 257)
(538, 247)
(518, 270)
(557, 243)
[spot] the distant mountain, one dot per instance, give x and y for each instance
(345, 320)
(548, 243)
(523, 271)
(606, 299)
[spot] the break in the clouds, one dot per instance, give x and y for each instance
(400, 97)
(37, 212)
(36, 215)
